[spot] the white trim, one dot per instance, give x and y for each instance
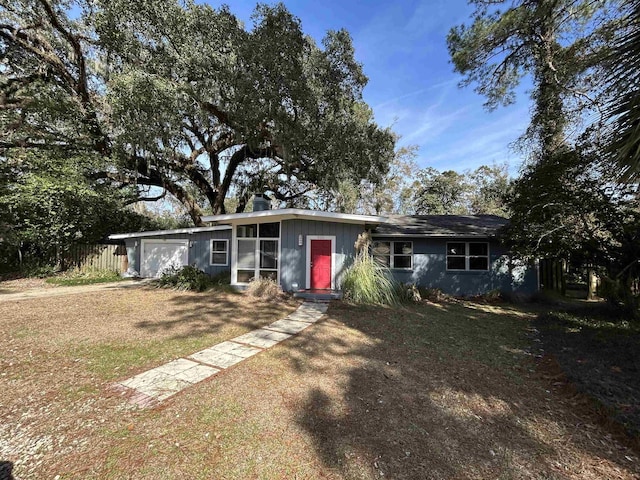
(143, 242)
(226, 252)
(308, 259)
(289, 213)
(120, 236)
(258, 239)
(467, 257)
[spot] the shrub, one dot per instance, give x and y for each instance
(264, 288)
(185, 278)
(368, 282)
(408, 292)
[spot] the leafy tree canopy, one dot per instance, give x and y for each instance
(477, 192)
(623, 109)
(181, 96)
(558, 44)
(50, 205)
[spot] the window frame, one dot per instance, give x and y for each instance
(226, 252)
(467, 256)
(258, 253)
(392, 253)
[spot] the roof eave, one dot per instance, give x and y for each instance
(177, 231)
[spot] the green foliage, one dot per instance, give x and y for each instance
(185, 278)
(181, 96)
(50, 204)
(73, 278)
(623, 110)
(408, 293)
(440, 193)
(559, 45)
(368, 282)
(479, 192)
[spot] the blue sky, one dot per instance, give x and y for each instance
(412, 86)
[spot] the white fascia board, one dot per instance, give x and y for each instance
(156, 233)
(290, 213)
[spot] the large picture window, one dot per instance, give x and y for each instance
(219, 252)
(472, 256)
(257, 249)
(397, 255)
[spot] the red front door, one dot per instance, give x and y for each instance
(321, 264)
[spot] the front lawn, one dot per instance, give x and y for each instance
(428, 391)
(600, 355)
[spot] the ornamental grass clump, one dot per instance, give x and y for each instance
(264, 288)
(368, 282)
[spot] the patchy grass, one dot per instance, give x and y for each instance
(75, 278)
(424, 391)
(599, 354)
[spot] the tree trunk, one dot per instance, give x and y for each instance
(592, 284)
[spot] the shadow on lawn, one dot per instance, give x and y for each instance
(208, 313)
(435, 392)
(6, 469)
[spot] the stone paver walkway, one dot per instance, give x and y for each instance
(155, 385)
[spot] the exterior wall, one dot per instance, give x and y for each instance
(430, 270)
(429, 259)
(199, 251)
(293, 258)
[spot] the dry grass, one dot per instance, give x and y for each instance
(428, 391)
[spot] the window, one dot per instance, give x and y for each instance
(219, 252)
(257, 251)
(398, 255)
(467, 256)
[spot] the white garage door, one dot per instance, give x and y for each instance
(158, 255)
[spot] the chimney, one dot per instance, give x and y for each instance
(261, 202)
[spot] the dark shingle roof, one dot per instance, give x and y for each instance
(442, 225)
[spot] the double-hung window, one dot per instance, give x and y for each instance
(468, 256)
(257, 249)
(219, 252)
(397, 255)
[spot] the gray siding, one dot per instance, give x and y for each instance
(294, 258)
(430, 270)
(199, 252)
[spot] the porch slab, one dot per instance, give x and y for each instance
(318, 295)
(262, 338)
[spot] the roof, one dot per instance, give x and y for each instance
(156, 233)
(441, 225)
(291, 213)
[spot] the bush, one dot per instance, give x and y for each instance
(408, 292)
(264, 288)
(368, 282)
(185, 278)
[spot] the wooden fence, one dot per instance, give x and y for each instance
(95, 257)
